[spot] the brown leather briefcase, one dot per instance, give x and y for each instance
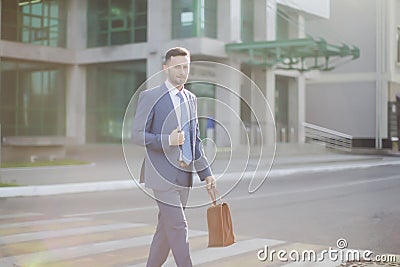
(220, 227)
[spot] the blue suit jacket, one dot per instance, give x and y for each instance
(154, 120)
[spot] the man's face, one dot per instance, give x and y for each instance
(177, 70)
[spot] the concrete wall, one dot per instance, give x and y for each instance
(346, 107)
(345, 99)
(393, 35)
(350, 24)
(318, 8)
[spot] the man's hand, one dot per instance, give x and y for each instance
(211, 183)
(176, 138)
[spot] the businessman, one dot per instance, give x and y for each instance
(166, 124)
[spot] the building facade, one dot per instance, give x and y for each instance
(70, 67)
(358, 97)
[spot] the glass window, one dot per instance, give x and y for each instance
(110, 88)
(116, 22)
(36, 22)
(284, 20)
(194, 18)
(247, 16)
(32, 99)
(205, 107)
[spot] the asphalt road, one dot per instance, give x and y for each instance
(359, 205)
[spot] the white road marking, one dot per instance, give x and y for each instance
(217, 253)
(43, 190)
(319, 188)
(19, 215)
(15, 238)
(68, 253)
(42, 222)
(42, 168)
(111, 211)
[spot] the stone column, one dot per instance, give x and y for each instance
(265, 30)
(270, 95)
(301, 81)
(158, 37)
(262, 125)
(229, 20)
(76, 103)
(227, 110)
(297, 87)
(297, 108)
(75, 74)
(76, 24)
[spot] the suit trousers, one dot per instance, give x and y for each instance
(172, 230)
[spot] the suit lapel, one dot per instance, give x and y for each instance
(167, 101)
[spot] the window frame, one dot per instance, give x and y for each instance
(200, 26)
(247, 20)
(38, 91)
(28, 32)
(100, 19)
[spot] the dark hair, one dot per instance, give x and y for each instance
(176, 51)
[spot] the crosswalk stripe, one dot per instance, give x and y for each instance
(212, 254)
(19, 215)
(216, 253)
(8, 239)
(47, 227)
(68, 253)
(84, 241)
(118, 258)
(75, 240)
(111, 211)
(42, 222)
(245, 259)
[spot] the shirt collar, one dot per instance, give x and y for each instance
(172, 89)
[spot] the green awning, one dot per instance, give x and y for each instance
(293, 54)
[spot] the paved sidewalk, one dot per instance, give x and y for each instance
(107, 170)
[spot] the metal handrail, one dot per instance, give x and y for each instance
(326, 130)
(327, 137)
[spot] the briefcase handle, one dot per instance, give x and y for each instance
(214, 195)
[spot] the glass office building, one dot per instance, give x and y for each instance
(69, 67)
(43, 81)
(32, 98)
(34, 22)
(116, 22)
(110, 86)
